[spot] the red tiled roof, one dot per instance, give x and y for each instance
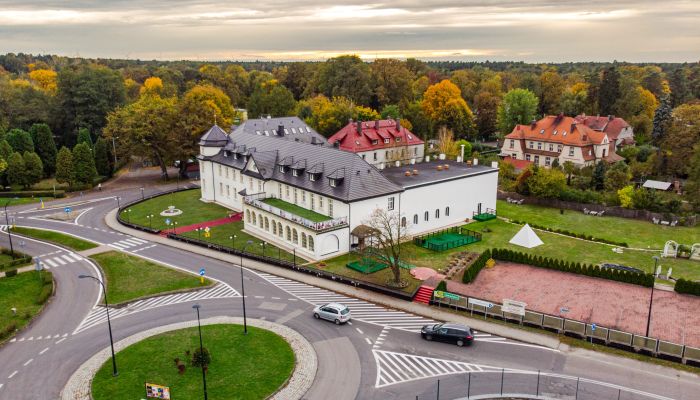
(518, 164)
(558, 129)
(351, 140)
(611, 125)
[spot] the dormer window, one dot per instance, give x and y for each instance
(555, 132)
(235, 156)
(282, 169)
(286, 131)
(225, 153)
(386, 141)
(375, 142)
(332, 182)
(267, 133)
(294, 130)
(257, 132)
(398, 139)
(295, 172)
(542, 131)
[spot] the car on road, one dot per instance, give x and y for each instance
(449, 333)
(336, 312)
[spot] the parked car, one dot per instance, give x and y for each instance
(335, 312)
(448, 333)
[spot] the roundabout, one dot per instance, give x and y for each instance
(271, 361)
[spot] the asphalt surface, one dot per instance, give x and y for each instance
(378, 356)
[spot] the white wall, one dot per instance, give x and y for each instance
(413, 152)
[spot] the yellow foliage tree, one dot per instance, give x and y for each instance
(45, 79)
(444, 105)
(648, 101)
(152, 86)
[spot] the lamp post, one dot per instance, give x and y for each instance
(109, 323)
(114, 151)
(118, 205)
(199, 233)
(245, 321)
(9, 230)
(150, 221)
(651, 299)
(128, 215)
(233, 241)
(142, 196)
(201, 350)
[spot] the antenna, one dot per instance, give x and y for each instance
(215, 118)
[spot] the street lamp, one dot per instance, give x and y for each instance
(233, 241)
(118, 205)
(9, 230)
(114, 150)
(150, 220)
(109, 323)
(651, 300)
(201, 351)
(263, 247)
(245, 321)
(199, 233)
(128, 215)
(142, 196)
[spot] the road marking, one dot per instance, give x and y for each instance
(12, 374)
(31, 338)
(368, 341)
(60, 340)
(360, 330)
(44, 351)
(28, 362)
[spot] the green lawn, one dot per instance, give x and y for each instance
(338, 266)
(25, 200)
(636, 233)
(129, 277)
(6, 259)
(312, 216)
(222, 235)
(23, 292)
(193, 210)
(55, 237)
(247, 367)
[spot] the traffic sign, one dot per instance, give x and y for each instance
(67, 209)
(38, 265)
(513, 307)
(481, 303)
(167, 221)
(201, 272)
(593, 326)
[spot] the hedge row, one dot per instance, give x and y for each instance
(572, 234)
(473, 270)
(10, 273)
(685, 286)
(642, 279)
(34, 193)
(19, 258)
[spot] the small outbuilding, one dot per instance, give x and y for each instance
(526, 237)
(658, 185)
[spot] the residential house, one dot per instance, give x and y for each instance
(617, 129)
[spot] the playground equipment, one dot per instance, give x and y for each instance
(695, 252)
(447, 239)
(670, 249)
(374, 260)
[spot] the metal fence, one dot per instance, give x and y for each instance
(580, 329)
(516, 384)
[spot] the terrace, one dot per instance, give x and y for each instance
(294, 213)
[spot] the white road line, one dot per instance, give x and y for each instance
(368, 341)
(59, 260)
(44, 351)
(28, 362)
(65, 257)
(60, 340)
(360, 330)
(50, 262)
(12, 374)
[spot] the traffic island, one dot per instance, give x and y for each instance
(272, 361)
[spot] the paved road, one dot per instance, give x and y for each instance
(378, 356)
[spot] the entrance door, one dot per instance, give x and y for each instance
(478, 210)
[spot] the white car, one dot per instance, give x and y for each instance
(335, 312)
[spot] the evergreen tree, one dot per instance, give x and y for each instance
(679, 87)
(598, 180)
(84, 164)
(662, 117)
(5, 150)
(609, 91)
(45, 147)
(15, 169)
(20, 140)
(33, 168)
(84, 137)
(102, 158)
(64, 166)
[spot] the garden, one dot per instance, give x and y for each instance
(238, 366)
(22, 297)
(61, 239)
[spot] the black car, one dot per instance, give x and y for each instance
(448, 333)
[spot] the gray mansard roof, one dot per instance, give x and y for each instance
(355, 178)
(214, 137)
(291, 128)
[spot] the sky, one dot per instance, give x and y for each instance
(467, 30)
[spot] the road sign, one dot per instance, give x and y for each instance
(38, 265)
(513, 307)
(167, 221)
(439, 294)
(451, 296)
(481, 303)
(201, 272)
(593, 326)
(154, 391)
(67, 209)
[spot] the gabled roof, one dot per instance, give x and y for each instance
(611, 124)
(349, 139)
(558, 129)
(289, 128)
(215, 137)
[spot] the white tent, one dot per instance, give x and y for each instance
(526, 237)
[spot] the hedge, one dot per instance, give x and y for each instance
(34, 193)
(642, 279)
(572, 234)
(19, 258)
(10, 273)
(473, 270)
(685, 286)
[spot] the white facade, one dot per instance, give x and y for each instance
(387, 157)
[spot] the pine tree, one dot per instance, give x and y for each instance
(64, 166)
(609, 91)
(33, 168)
(20, 140)
(679, 87)
(102, 158)
(15, 169)
(45, 147)
(5, 150)
(84, 164)
(598, 181)
(84, 137)
(662, 118)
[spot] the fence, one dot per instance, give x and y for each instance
(317, 226)
(518, 384)
(582, 330)
(430, 241)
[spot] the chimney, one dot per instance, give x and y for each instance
(398, 125)
(611, 117)
(376, 124)
(336, 144)
(573, 126)
(533, 123)
(280, 130)
(359, 127)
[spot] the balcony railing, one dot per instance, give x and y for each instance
(255, 200)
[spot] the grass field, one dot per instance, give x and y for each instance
(193, 210)
(55, 237)
(242, 366)
(25, 200)
(23, 292)
(636, 233)
(129, 277)
(312, 216)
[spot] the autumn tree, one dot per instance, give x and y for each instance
(680, 92)
(346, 76)
(389, 229)
(446, 143)
(152, 86)
(20, 140)
(271, 98)
(546, 183)
(551, 88)
(682, 135)
(486, 110)
(574, 100)
(45, 147)
(519, 106)
(324, 115)
(609, 92)
(692, 187)
(45, 79)
(444, 106)
(392, 81)
(617, 177)
(64, 166)
(391, 111)
(297, 78)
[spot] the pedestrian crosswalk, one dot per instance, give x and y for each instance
(129, 243)
(58, 259)
(42, 337)
(98, 314)
(394, 368)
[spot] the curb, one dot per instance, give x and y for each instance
(306, 363)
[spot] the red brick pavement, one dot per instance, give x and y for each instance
(215, 222)
(607, 303)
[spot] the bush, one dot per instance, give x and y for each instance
(44, 295)
(33, 193)
(10, 273)
(685, 286)
(201, 358)
(473, 270)
(442, 286)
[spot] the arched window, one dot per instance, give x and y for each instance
(426, 216)
(254, 219)
(260, 221)
(295, 236)
(289, 234)
(267, 224)
(437, 213)
(303, 240)
(279, 229)
(403, 222)
(311, 243)
(415, 219)
(247, 216)
(274, 227)
(447, 211)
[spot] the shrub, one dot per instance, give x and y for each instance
(10, 273)
(473, 270)
(44, 295)
(201, 358)
(34, 193)
(442, 286)
(685, 286)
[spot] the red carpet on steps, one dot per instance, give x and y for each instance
(423, 295)
(215, 222)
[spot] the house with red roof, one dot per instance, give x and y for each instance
(617, 129)
(558, 137)
(382, 143)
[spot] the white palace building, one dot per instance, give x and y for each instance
(296, 191)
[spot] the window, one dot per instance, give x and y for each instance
(279, 187)
(235, 156)
(308, 130)
(250, 183)
(364, 156)
(240, 177)
(374, 142)
(332, 182)
(286, 188)
(589, 152)
(313, 203)
(603, 152)
(303, 240)
(386, 141)
(437, 213)
(415, 151)
(527, 157)
(398, 139)
(296, 197)
(267, 224)
(247, 216)
(375, 156)
(267, 133)
(330, 207)
(303, 196)
(255, 220)
(279, 229)
(531, 145)
(286, 131)
(274, 227)
(295, 172)
(260, 221)
(226, 173)
(539, 145)
(559, 148)
(386, 154)
(219, 170)
(537, 160)
(403, 222)
(551, 147)
(571, 151)
(221, 188)
(312, 177)
(426, 216)
(320, 202)
(257, 132)
(512, 143)
(228, 191)
(554, 133)
(294, 130)
(547, 161)
(447, 211)
(515, 156)
(295, 236)
(282, 168)
(289, 234)
(415, 219)
(311, 243)
(260, 186)
(390, 206)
